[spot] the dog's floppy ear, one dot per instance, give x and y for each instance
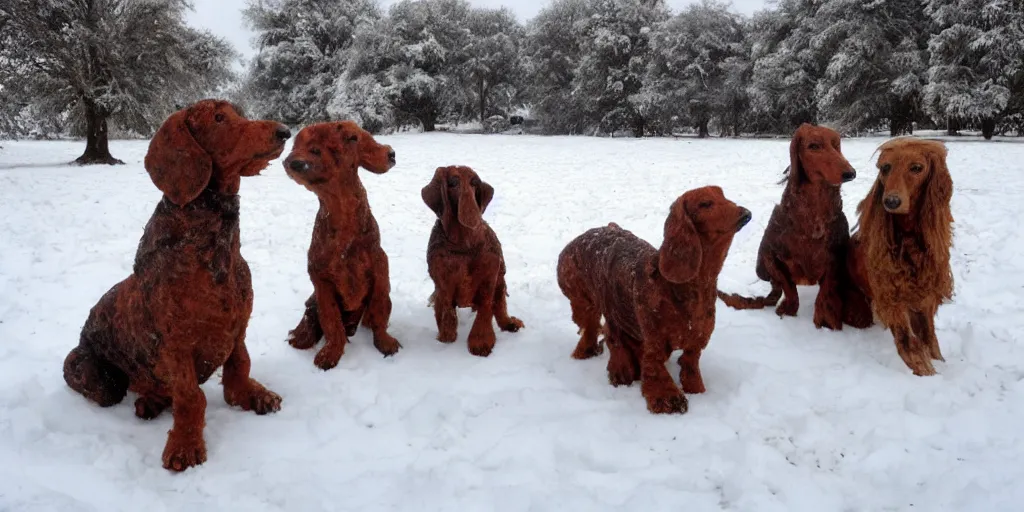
(484, 194)
(796, 171)
(435, 193)
(176, 163)
(936, 217)
(680, 253)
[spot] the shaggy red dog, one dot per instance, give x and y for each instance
(653, 301)
(899, 258)
(807, 235)
(183, 312)
(347, 265)
(464, 259)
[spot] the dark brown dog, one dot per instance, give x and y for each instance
(347, 265)
(464, 259)
(653, 301)
(183, 312)
(806, 239)
(899, 257)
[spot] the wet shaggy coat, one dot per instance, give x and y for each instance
(653, 301)
(183, 311)
(806, 239)
(346, 263)
(464, 259)
(899, 256)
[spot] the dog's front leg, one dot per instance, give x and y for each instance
(662, 395)
(481, 335)
(244, 391)
(185, 445)
(828, 306)
(330, 322)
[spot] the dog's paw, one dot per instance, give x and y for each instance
(386, 344)
(181, 454)
(326, 359)
(513, 325)
(150, 407)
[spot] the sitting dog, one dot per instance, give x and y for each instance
(653, 301)
(346, 263)
(183, 312)
(806, 239)
(899, 256)
(464, 259)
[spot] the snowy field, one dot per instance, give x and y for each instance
(795, 419)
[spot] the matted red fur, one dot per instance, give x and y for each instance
(346, 263)
(464, 259)
(899, 258)
(183, 311)
(807, 235)
(653, 301)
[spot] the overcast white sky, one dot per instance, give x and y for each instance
(224, 17)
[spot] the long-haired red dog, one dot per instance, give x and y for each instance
(653, 301)
(464, 259)
(899, 256)
(806, 239)
(183, 312)
(346, 263)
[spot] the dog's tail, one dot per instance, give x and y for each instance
(737, 301)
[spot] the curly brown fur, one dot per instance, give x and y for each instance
(900, 254)
(347, 265)
(806, 237)
(464, 259)
(183, 312)
(653, 301)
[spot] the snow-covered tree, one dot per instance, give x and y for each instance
(130, 62)
(875, 75)
(976, 61)
(615, 53)
(553, 53)
(493, 57)
(699, 65)
(418, 56)
(303, 49)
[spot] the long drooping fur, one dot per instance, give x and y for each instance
(653, 301)
(346, 263)
(899, 258)
(807, 235)
(183, 311)
(464, 259)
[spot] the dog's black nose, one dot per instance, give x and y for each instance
(745, 217)
(283, 133)
(298, 165)
(391, 156)
(849, 175)
(892, 202)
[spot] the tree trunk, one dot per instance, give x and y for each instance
(97, 150)
(483, 102)
(702, 128)
(988, 128)
(952, 126)
(428, 122)
(639, 126)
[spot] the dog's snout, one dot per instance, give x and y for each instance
(745, 217)
(283, 133)
(892, 202)
(849, 175)
(299, 165)
(391, 155)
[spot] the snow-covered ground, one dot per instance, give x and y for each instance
(794, 418)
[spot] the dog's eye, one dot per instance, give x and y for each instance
(475, 182)
(219, 118)
(354, 138)
(705, 205)
(315, 151)
(916, 168)
(453, 182)
(885, 168)
(814, 146)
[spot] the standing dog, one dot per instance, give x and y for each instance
(806, 240)
(899, 258)
(653, 301)
(183, 312)
(346, 263)
(464, 259)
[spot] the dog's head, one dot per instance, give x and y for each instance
(699, 219)
(457, 193)
(912, 176)
(815, 156)
(325, 151)
(210, 144)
